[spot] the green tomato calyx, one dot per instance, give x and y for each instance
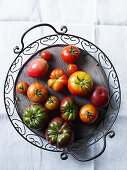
(38, 92)
(51, 100)
(33, 116)
(73, 51)
(22, 87)
(82, 82)
(89, 114)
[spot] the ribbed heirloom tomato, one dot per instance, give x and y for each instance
(80, 83)
(36, 116)
(37, 93)
(59, 133)
(58, 79)
(69, 109)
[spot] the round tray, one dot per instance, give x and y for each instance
(92, 60)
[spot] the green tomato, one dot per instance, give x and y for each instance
(36, 116)
(69, 109)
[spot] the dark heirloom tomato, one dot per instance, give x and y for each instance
(37, 93)
(70, 54)
(69, 109)
(59, 133)
(36, 116)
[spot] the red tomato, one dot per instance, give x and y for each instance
(88, 114)
(99, 96)
(58, 79)
(37, 93)
(70, 54)
(71, 68)
(80, 83)
(38, 68)
(22, 87)
(45, 55)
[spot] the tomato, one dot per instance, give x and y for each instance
(37, 93)
(70, 54)
(38, 68)
(69, 109)
(88, 114)
(99, 97)
(71, 68)
(22, 87)
(36, 116)
(80, 83)
(58, 79)
(59, 133)
(45, 55)
(52, 103)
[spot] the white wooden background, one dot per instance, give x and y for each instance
(103, 22)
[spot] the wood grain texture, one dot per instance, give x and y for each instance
(85, 63)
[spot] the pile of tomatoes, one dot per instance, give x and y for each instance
(59, 131)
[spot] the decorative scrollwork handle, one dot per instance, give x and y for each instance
(62, 28)
(64, 155)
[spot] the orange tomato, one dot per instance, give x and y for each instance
(22, 87)
(37, 93)
(58, 79)
(52, 103)
(80, 83)
(88, 113)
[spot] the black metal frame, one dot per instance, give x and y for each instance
(103, 60)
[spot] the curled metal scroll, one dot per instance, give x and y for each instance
(63, 29)
(64, 155)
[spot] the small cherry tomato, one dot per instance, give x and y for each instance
(52, 103)
(70, 54)
(71, 68)
(22, 87)
(37, 93)
(45, 55)
(88, 113)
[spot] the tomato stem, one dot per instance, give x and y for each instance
(73, 51)
(82, 82)
(89, 114)
(38, 92)
(22, 87)
(51, 100)
(67, 67)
